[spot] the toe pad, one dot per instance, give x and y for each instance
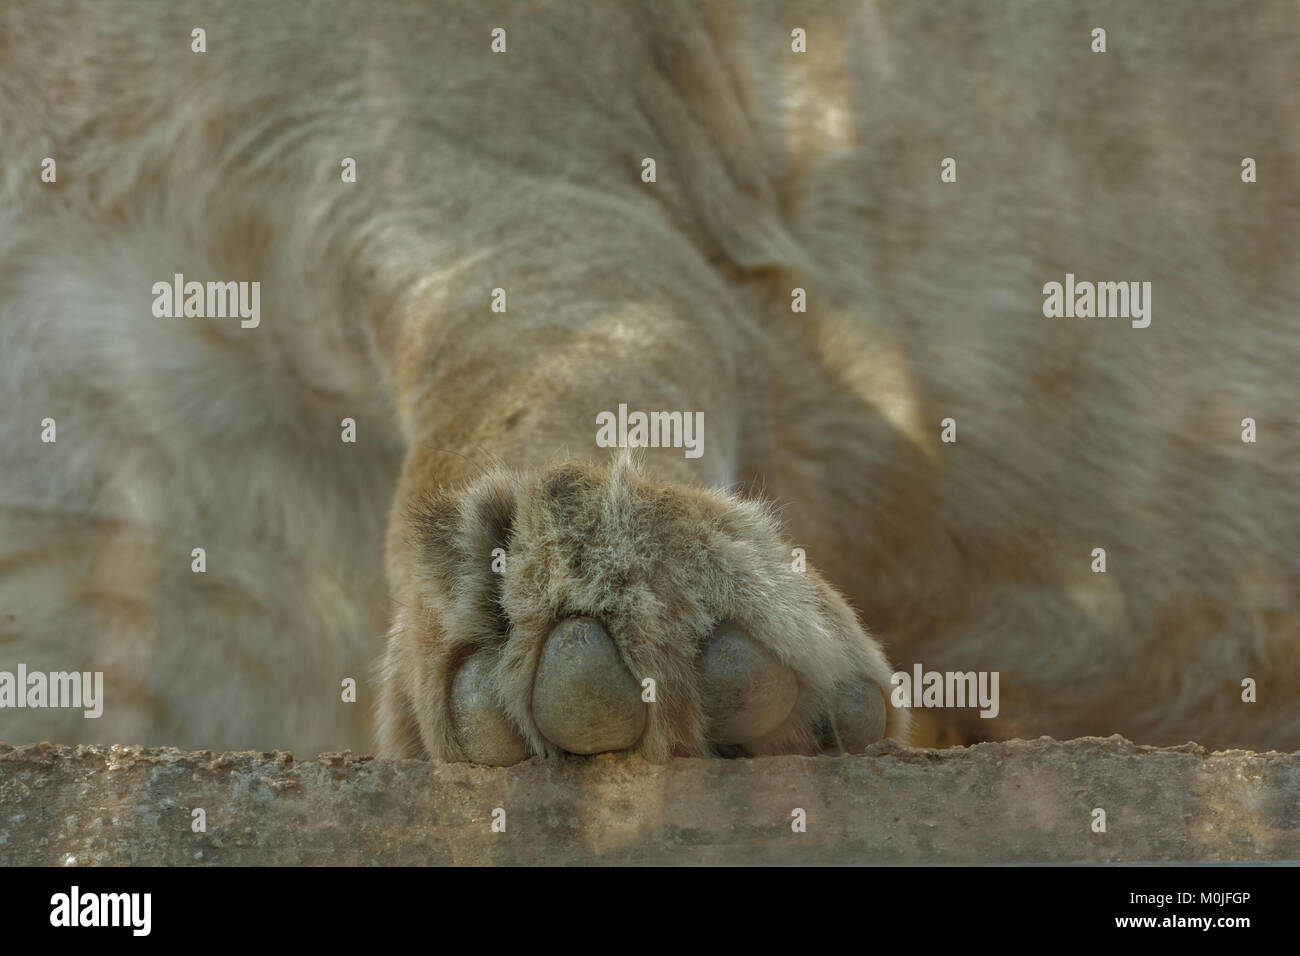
(482, 730)
(747, 692)
(584, 698)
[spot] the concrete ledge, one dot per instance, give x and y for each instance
(1015, 802)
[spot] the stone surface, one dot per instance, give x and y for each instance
(1016, 802)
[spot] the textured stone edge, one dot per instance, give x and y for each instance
(1025, 801)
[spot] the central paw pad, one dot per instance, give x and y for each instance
(584, 698)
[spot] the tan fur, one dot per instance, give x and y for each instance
(775, 170)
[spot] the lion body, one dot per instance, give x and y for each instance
(775, 171)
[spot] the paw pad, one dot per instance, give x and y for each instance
(746, 690)
(858, 719)
(584, 698)
(481, 728)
